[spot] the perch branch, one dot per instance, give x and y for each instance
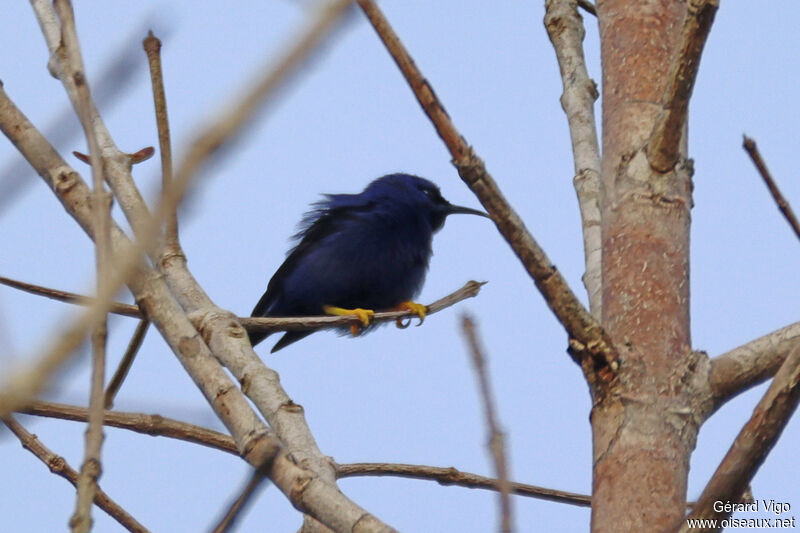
(589, 337)
(752, 150)
(469, 290)
(750, 364)
(754, 442)
(565, 29)
(496, 437)
(59, 466)
(664, 146)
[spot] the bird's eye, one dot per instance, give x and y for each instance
(433, 194)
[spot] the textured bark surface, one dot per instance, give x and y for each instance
(645, 429)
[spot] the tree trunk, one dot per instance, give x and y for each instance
(644, 427)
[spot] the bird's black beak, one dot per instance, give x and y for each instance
(457, 209)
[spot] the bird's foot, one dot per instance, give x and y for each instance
(418, 309)
(364, 315)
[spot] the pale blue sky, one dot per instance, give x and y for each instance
(399, 396)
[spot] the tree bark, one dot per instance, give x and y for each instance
(645, 427)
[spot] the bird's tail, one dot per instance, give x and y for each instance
(258, 336)
(288, 338)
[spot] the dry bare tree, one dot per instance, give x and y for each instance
(651, 390)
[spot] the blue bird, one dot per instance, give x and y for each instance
(357, 253)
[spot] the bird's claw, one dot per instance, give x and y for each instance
(418, 309)
(363, 315)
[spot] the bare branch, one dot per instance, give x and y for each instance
(750, 364)
(752, 150)
(152, 47)
(125, 363)
(153, 425)
(81, 521)
(452, 476)
(59, 466)
(248, 491)
(469, 290)
(754, 442)
(271, 324)
(664, 147)
(496, 437)
(70, 297)
(566, 32)
(589, 337)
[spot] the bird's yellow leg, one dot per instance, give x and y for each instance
(418, 309)
(364, 315)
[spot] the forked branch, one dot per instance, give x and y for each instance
(752, 150)
(753, 443)
(59, 466)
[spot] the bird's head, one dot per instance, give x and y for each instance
(419, 194)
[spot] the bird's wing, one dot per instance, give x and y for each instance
(325, 219)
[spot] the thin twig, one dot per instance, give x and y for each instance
(237, 506)
(452, 476)
(152, 425)
(271, 324)
(565, 29)
(125, 363)
(70, 297)
(81, 521)
(152, 47)
(590, 341)
(664, 146)
(59, 466)
(752, 150)
(754, 442)
(496, 437)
